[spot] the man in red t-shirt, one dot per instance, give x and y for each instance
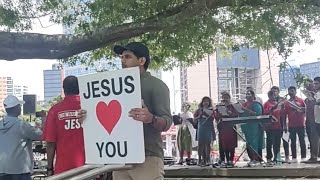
(283, 120)
(273, 130)
(63, 132)
(295, 109)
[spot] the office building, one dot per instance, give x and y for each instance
(217, 73)
(287, 78)
(53, 82)
(312, 70)
(8, 87)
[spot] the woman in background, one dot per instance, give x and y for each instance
(205, 132)
(253, 131)
(186, 133)
(227, 135)
(274, 129)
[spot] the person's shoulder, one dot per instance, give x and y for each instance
(267, 103)
(58, 105)
(299, 99)
(257, 102)
(156, 82)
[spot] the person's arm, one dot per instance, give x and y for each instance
(51, 152)
(162, 119)
(190, 117)
(249, 111)
(50, 137)
(196, 118)
(303, 107)
(268, 109)
(30, 132)
(160, 115)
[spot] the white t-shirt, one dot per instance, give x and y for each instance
(317, 108)
(185, 116)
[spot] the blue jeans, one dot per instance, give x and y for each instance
(15, 176)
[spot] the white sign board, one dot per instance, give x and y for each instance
(110, 135)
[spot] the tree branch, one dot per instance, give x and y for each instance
(15, 45)
(40, 46)
(35, 17)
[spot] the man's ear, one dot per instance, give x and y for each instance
(142, 61)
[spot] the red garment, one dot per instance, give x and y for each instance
(227, 136)
(295, 119)
(63, 128)
(247, 104)
(276, 113)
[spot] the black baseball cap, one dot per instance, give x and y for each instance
(137, 48)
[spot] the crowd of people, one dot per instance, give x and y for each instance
(292, 116)
(65, 143)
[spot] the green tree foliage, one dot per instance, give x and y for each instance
(54, 101)
(194, 106)
(300, 78)
(177, 31)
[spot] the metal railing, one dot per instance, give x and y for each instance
(87, 172)
(95, 172)
(73, 172)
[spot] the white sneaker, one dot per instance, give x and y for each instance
(293, 160)
(303, 160)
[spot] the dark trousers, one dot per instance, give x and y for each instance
(284, 143)
(318, 128)
(226, 154)
(308, 130)
(285, 147)
(260, 153)
(253, 156)
(300, 131)
(16, 177)
(313, 138)
(274, 137)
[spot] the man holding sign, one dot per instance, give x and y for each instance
(154, 113)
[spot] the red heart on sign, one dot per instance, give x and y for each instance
(108, 115)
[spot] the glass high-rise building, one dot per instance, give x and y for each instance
(53, 82)
(286, 78)
(312, 70)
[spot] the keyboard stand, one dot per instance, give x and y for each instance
(248, 145)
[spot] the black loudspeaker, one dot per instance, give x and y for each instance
(29, 106)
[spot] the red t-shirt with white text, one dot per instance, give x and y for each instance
(63, 128)
(276, 113)
(295, 119)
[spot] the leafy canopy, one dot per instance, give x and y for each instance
(221, 24)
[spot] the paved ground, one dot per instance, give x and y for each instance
(221, 178)
(297, 170)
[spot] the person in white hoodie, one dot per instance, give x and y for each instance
(16, 135)
(186, 137)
